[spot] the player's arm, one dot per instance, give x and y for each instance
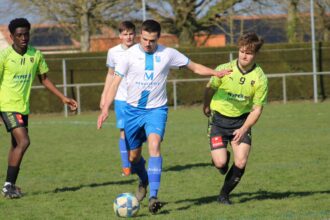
(108, 99)
(205, 71)
(51, 87)
(108, 81)
(250, 121)
(208, 94)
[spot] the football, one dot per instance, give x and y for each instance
(126, 205)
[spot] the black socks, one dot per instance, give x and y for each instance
(12, 173)
(232, 179)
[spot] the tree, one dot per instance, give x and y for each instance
(184, 18)
(80, 18)
(323, 20)
(298, 18)
(292, 20)
(223, 15)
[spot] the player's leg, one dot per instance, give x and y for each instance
(134, 137)
(138, 168)
(16, 124)
(241, 152)
(218, 145)
(155, 129)
(126, 165)
(155, 164)
(120, 107)
(220, 159)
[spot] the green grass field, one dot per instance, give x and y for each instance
(72, 171)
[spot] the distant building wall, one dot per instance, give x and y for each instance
(218, 40)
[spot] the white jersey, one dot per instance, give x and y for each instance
(115, 54)
(146, 74)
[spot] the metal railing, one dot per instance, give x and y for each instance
(174, 83)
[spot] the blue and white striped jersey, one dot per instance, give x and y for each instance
(146, 74)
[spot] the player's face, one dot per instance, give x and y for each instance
(21, 37)
(246, 57)
(127, 37)
(149, 41)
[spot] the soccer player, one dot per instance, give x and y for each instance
(146, 66)
(127, 35)
(19, 64)
(235, 103)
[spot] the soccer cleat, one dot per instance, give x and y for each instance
(224, 199)
(11, 191)
(154, 205)
(126, 171)
(141, 191)
(224, 169)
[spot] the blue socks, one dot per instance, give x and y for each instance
(123, 153)
(154, 174)
(140, 170)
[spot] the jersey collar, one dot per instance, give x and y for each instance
(246, 72)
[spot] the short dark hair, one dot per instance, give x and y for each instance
(151, 26)
(251, 41)
(126, 25)
(18, 22)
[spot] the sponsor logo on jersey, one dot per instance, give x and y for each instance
(237, 97)
(157, 59)
(149, 75)
(32, 59)
(22, 77)
(253, 82)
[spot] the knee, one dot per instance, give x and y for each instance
(241, 163)
(134, 158)
(154, 149)
(23, 144)
(219, 163)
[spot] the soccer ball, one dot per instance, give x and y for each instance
(126, 205)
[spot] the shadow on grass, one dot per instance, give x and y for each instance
(259, 195)
(263, 195)
(186, 167)
(92, 185)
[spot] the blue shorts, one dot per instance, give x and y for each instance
(120, 107)
(140, 123)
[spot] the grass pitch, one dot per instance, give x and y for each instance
(72, 171)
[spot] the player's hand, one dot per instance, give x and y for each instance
(207, 111)
(102, 117)
(239, 134)
(222, 73)
(73, 104)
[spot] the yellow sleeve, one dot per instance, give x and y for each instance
(43, 67)
(215, 81)
(260, 96)
(1, 67)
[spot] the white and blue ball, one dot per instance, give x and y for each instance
(126, 205)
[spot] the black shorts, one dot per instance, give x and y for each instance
(223, 127)
(14, 120)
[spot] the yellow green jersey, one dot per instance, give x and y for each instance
(17, 73)
(238, 92)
